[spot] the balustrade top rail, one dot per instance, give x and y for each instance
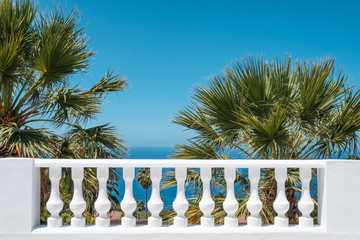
(171, 163)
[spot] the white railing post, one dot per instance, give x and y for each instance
(254, 204)
(77, 204)
(207, 203)
(155, 203)
(128, 204)
(54, 204)
(180, 203)
(20, 197)
(230, 204)
(281, 204)
(102, 204)
(306, 205)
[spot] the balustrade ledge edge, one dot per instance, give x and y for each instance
(145, 229)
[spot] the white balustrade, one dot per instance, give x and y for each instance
(77, 204)
(180, 203)
(336, 184)
(102, 203)
(128, 204)
(230, 204)
(54, 204)
(155, 203)
(254, 205)
(207, 203)
(306, 205)
(281, 204)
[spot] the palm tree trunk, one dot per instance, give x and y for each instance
(293, 212)
(146, 205)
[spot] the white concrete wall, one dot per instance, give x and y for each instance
(189, 233)
(342, 196)
(20, 195)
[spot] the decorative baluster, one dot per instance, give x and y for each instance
(155, 203)
(102, 204)
(230, 204)
(77, 204)
(281, 204)
(254, 205)
(306, 205)
(180, 203)
(128, 204)
(54, 204)
(207, 203)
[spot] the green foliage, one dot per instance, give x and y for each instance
(140, 209)
(167, 216)
(40, 52)
(89, 218)
(44, 215)
(143, 178)
(273, 110)
(66, 218)
(265, 109)
(116, 207)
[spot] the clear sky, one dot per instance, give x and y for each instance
(165, 48)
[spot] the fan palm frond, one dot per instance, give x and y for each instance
(269, 109)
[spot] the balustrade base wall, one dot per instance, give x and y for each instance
(190, 233)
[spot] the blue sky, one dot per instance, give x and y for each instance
(165, 48)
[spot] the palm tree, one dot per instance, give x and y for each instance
(140, 207)
(39, 53)
(143, 179)
(42, 110)
(272, 110)
(95, 142)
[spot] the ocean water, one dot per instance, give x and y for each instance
(149, 153)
